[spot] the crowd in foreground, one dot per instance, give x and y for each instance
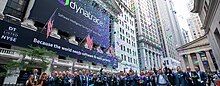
(161, 77)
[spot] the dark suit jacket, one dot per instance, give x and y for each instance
(199, 75)
(188, 80)
(180, 79)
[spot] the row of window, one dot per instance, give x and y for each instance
(128, 59)
(128, 50)
(127, 40)
(126, 16)
(127, 34)
(124, 24)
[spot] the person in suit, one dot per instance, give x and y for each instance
(142, 80)
(51, 79)
(122, 79)
(180, 78)
(161, 79)
(147, 80)
(200, 77)
(171, 77)
(188, 77)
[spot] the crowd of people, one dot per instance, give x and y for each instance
(161, 77)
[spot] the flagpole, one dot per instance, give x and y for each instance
(84, 38)
(49, 19)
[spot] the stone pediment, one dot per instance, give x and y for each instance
(202, 41)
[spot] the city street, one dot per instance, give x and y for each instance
(109, 43)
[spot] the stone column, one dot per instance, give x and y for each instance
(209, 58)
(28, 23)
(191, 65)
(201, 67)
(2, 8)
(148, 60)
(151, 60)
(182, 63)
(156, 60)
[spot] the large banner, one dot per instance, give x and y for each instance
(76, 17)
(19, 36)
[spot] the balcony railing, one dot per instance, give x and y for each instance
(9, 53)
(63, 62)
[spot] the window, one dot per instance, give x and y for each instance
(16, 8)
(123, 38)
(122, 56)
(120, 36)
(128, 50)
(125, 58)
(121, 47)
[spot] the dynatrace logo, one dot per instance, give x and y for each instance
(78, 9)
(64, 2)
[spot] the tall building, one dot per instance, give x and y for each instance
(169, 29)
(149, 48)
(185, 36)
(81, 39)
(209, 13)
(194, 22)
(125, 39)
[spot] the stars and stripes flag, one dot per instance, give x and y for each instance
(49, 25)
(111, 51)
(89, 42)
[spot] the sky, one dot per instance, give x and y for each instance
(182, 13)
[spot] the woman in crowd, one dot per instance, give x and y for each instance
(171, 77)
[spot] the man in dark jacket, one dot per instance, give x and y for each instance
(188, 77)
(180, 78)
(199, 77)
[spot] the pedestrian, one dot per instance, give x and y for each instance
(188, 77)
(162, 79)
(43, 80)
(200, 77)
(171, 77)
(147, 81)
(30, 81)
(180, 77)
(142, 80)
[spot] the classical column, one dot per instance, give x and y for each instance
(155, 59)
(151, 60)
(209, 58)
(182, 63)
(28, 23)
(148, 60)
(2, 8)
(191, 65)
(201, 67)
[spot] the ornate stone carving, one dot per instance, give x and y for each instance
(72, 40)
(54, 34)
(29, 24)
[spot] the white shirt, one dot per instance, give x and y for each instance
(162, 80)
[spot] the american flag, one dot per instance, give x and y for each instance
(49, 27)
(49, 24)
(111, 51)
(89, 42)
